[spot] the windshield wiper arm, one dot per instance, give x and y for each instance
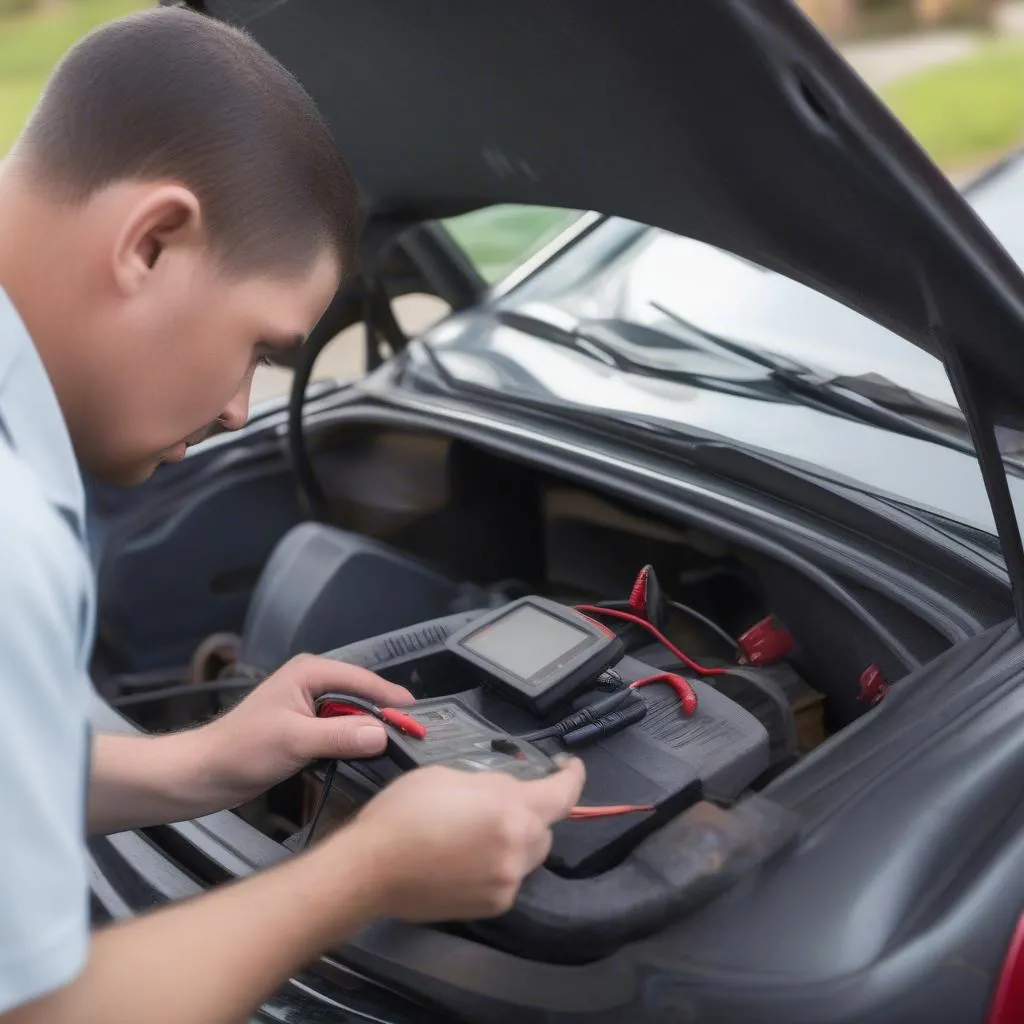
(869, 399)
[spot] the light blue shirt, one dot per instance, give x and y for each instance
(47, 610)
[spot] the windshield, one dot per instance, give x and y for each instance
(641, 324)
(699, 301)
(635, 322)
(663, 281)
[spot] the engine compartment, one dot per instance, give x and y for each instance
(688, 768)
(423, 527)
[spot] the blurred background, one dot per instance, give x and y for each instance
(951, 70)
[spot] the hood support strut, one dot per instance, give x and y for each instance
(982, 426)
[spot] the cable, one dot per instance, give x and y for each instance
(692, 613)
(614, 613)
(583, 813)
(684, 691)
(705, 621)
(344, 310)
(607, 726)
(321, 802)
(588, 715)
(331, 705)
(183, 690)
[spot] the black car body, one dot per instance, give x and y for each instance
(541, 433)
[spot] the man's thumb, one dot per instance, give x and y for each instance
(349, 736)
(555, 796)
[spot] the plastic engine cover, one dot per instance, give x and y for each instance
(725, 744)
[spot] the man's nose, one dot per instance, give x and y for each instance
(236, 412)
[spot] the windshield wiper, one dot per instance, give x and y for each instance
(675, 437)
(859, 399)
(869, 398)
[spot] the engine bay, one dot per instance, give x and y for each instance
(672, 743)
(428, 534)
(678, 736)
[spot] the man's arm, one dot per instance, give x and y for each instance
(149, 780)
(213, 959)
(269, 736)
(436, 845)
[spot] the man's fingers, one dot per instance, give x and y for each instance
(322, 675)
(347, 736)
(554, 797)
(539, 849)
(355, 736)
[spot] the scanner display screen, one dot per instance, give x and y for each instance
(526, 641)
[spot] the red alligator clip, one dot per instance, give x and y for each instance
(333, 705)
(765, 643)
(684, 691)
(873, 686)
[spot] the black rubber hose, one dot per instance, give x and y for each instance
(183, 690)
(344, 310)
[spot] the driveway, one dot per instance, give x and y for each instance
(882, 61)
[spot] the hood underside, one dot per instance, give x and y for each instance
(730, 121)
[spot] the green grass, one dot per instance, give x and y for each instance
(500, 237)
(967, 112)
(30, 46)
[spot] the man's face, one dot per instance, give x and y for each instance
(174, 352)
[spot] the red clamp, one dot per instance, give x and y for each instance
(638, 595)
(334, 705)
(765, 643)
(684, 691)
(873, 685)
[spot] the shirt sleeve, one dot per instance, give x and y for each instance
(44, 895)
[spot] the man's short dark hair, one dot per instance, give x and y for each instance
(169, 94)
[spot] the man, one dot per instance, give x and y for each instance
(175, 211)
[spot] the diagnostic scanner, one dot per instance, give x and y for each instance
(456, 736)
(535, 652)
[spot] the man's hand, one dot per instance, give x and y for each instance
(274, 732)
(148, 780)
(451, 845)
(437, 845)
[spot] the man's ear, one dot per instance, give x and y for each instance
(162, 216)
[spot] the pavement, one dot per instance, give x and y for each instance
(883, 61)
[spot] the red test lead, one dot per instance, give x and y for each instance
(332, 705)
(684, 691)
(615, 613)
(582, 813)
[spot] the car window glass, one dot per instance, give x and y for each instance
(704, 305)
(497, 239)
(655, 326)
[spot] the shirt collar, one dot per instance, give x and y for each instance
(31, 417)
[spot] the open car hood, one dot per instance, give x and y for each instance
(731, 121)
